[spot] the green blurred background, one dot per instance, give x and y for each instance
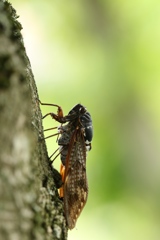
(105, 55)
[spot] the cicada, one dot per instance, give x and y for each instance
(76, 134)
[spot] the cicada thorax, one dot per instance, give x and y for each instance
(75, 135)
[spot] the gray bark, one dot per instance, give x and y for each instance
(30, 207)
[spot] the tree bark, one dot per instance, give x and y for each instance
(30, 207)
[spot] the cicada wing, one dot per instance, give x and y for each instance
(75, 184)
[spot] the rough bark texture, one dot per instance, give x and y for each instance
(29, 204)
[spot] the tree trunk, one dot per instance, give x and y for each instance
(30, 207)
